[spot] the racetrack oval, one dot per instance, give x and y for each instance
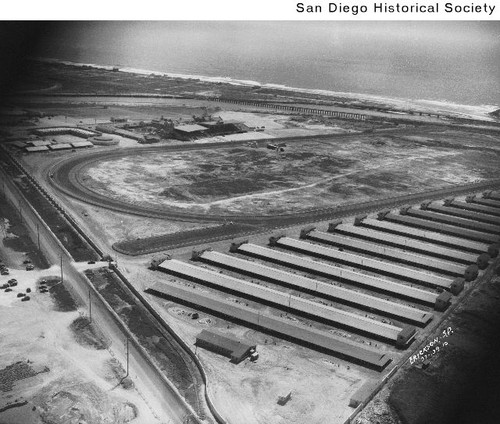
(65, 176)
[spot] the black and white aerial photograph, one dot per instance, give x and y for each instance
(249, 222)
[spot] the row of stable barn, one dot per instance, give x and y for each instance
(331, 278)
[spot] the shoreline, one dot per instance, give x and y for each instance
(481, 112)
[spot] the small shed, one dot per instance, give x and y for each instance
(225, 345)
(363, 394)
(405, 336)
(61, 146)
(457, 285)
(37, 143)
(82, 144)
(35, 149)
(443, 301)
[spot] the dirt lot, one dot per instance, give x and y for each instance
(54, 368)
(312, 173)
(248, 392)
(163, 350)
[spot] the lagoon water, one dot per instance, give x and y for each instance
(456, 62)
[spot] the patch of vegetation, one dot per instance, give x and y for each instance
(86, 334)
(15, 372)
(63, 300)
(164, 351)
(17, 237)
(382, 180)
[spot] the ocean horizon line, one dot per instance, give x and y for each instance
(444, 106)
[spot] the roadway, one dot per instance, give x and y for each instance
(162, 397)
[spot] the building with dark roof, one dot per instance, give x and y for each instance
(225, 345)
(224, 127)
(189, 132)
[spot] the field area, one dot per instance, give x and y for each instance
(54, 364)
(137, 202)
(308, 174)
(163, 350)
(248, 392)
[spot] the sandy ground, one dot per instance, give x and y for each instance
(248, 392)
(74, 382)
(356, 170)
(110, 227)
(321, 385)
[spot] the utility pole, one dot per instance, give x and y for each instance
(62, 276)
(90, 306)
(127, 356)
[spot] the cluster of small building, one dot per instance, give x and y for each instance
(34, 146)
(154, 131)
(208, 129)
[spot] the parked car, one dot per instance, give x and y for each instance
(30, 267)
(4, 271)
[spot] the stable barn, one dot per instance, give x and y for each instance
(225, 345)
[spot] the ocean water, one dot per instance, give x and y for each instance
(456, 62)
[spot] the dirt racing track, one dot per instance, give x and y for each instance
(66, 176)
